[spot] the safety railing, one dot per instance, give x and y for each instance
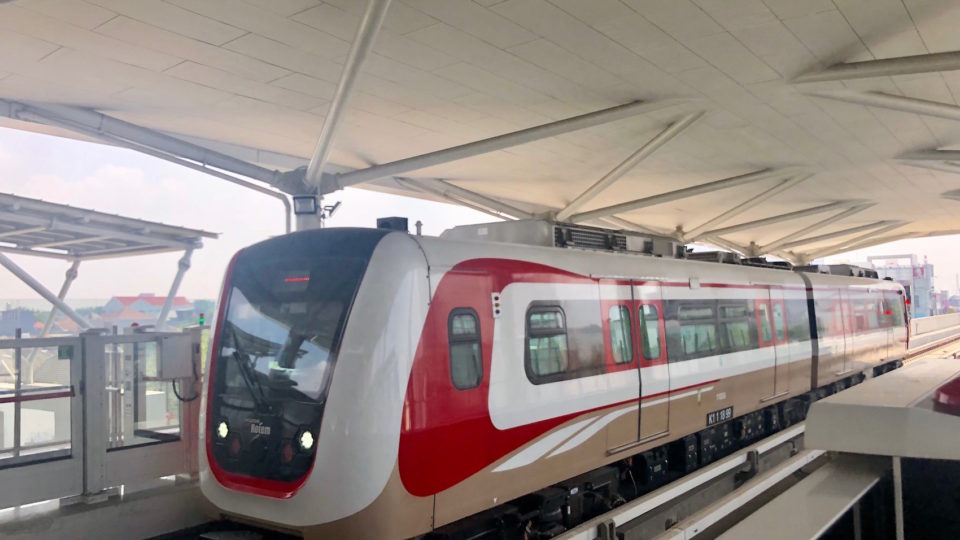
(82, 415)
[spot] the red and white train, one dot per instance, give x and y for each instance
(368, 383)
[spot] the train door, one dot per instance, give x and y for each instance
(768, 343)
(619, 325)
(654, 370)
(781, 345)
(849, 329)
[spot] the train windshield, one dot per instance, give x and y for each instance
(278, 345)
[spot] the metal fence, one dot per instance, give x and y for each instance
(82, 415)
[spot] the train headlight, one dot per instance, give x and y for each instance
(223, 430)
(306, 441)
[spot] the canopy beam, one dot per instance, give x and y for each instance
(835, 234)
(865, 240)
(779, 243)
(683, 193)
(782, 217)
(492, 144)
(752, 202)
(886, 67)
(628, 164)
(894, 103)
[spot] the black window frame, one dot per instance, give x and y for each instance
(534, 377)
(453, 339)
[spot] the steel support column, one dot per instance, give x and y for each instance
(38, 287)
(757, 199)
(778, 243)
(68, 279)
(628, 164)
(363, 42)
(716, 185)
(499, 142)
(904, 65)
(182, 266)
(782, 217)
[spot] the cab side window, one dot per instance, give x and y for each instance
(547, 357)
(463, 333)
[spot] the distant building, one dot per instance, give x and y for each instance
(124, 311)
(916, 278)
(13, 318)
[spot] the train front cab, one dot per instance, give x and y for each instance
(315, 335)
(861, 326)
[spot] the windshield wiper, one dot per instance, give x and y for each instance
(250, 379)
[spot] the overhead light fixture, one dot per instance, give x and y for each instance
(305, 205)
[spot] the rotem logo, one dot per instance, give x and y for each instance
(259, 429)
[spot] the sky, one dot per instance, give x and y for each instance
(123, 182)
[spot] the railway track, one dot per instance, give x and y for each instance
(705, 503)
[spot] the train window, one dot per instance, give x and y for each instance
(698, 339)
(650, 332)
(694, 312)
(463, 334)
(737, 334)
(695, 333)
(766, 333)
(798, 320)
(778, 320)
(621, 334)
(546, 358)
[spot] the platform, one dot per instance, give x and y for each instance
(894, 468)
(892, 413)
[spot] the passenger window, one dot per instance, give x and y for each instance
(546, 343)
(463, 333)
(766, 334)
(621, 334)
(778, 320)
(698, 339)
(650, 332)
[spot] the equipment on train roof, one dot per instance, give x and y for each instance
(538, 232)
(841, 270)
(393, 224)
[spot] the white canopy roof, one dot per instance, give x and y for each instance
(846, 156)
